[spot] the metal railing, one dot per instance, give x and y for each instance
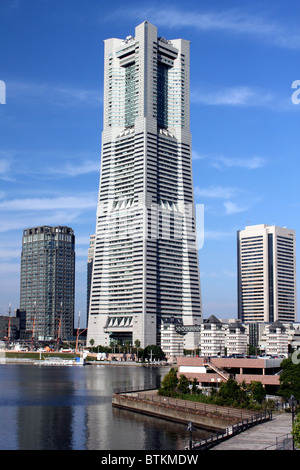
(284, 442)
(187, 404)
(217, 438)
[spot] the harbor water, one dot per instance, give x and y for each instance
(69, 408)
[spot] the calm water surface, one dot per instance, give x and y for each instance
(54, 408)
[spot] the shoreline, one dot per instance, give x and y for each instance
(37, 361)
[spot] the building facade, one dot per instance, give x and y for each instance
(48, 282)
(146, 260)
(212, 372)
(220, 337)
(266, 274)
(212, 337)
(90, 261)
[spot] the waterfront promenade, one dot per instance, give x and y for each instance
(264, 436)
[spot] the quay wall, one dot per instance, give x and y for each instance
(200, 419)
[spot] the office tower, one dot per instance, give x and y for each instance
(266, 274)
(146, 259)
(48, 282)
(89, 273)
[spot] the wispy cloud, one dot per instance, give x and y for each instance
(85, 201)
(221, 161)
(72, 170)
(233, 21)
(215, 192)
(226, 196)
(19, 213)
(6, 162)
(233, 208)
(64, 163)
(251, 163)
(239, 96)
(54, 94)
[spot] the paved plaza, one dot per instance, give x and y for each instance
(261, 437)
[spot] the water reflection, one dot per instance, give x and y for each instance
(53, 408)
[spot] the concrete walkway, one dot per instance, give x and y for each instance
(260, 437)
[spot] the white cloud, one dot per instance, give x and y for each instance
(216, 192)
(72, 170)
(5, 166)
(19, 213)
(233, 208)
(221, 161)
(197, 156)
(19, 221)
(85, 201)
(242, 96)
(251, 163)
(234, 21)
(56, 95)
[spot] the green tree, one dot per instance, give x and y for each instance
(183, 384)
(153, 352)
(170, 381)
(257, 391)
(229, 390)
(233, 393)
(296, 431)
(195, 389)
(290, 379)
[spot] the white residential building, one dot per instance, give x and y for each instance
(212, 337)
(236, 339)
(276, 339)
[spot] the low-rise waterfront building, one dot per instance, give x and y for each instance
(172, 340)
(212, 337)
(212, 371)
(236, 339)
(276, 339)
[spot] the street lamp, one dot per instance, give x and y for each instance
(191, 428)
(293, 403)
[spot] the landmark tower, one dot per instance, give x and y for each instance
(146, 260)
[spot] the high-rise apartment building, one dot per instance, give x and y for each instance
(266, 274)
(48, 282)
(146, 259)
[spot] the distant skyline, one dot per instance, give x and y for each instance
(244, 124)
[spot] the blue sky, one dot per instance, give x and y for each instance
(245, 127)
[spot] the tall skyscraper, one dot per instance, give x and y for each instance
(266, 274)
(146, 259)
(90, 261)
(48, 282)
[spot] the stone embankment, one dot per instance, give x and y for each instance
(204, 416)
